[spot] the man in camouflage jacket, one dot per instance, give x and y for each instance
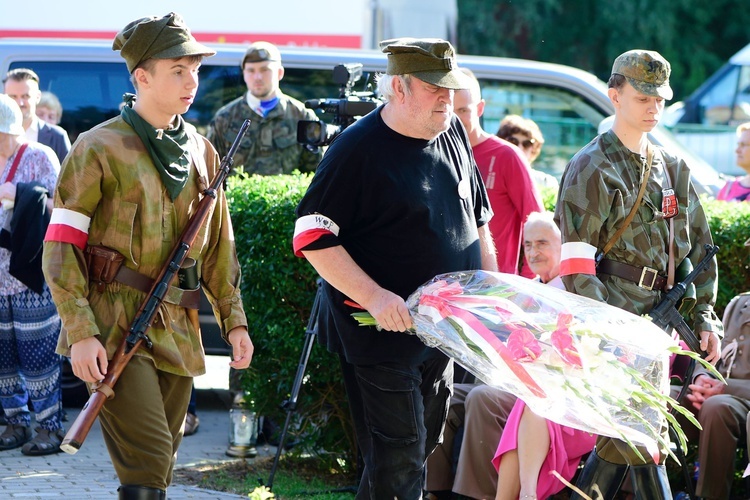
(131, 184)
(270, 145)
(598, 189)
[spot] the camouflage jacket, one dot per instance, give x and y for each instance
(110, 189)
(597, 191)
(270, 145)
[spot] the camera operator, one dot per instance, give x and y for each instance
(270, 145)
(396, 200)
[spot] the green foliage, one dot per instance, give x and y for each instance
(696, 36)
(730, 227)
(549, 198)
(278, 290)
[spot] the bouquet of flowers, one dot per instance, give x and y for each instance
(573, 360)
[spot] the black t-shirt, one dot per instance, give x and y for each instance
(395, 202)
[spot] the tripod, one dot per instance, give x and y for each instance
(290, 405)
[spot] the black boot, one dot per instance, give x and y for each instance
(601, 476)
(132, 492)
(650, 482)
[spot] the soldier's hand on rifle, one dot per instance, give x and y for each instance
(89, 359)
(710, 344)
(242, 348)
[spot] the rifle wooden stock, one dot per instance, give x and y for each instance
(137, 335)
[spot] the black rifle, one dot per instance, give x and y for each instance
(137, 336)
(666, 316)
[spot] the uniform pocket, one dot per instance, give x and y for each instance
(393, 393)
(119, 234)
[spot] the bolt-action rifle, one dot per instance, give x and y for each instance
(666, 316)
(149, 307)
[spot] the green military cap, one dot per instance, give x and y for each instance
(430, 59)
(157, 38)
(646, 70)
(261, 51)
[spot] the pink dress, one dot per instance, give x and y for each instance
(734, 191)
(566, 448)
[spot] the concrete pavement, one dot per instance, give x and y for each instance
(89, 473)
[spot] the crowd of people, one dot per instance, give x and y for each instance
(414, 189)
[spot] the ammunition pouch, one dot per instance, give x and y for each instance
(103, 263)
(106, 265)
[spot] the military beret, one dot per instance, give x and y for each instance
(647, 71)
(157, 38)
(430, 59)
(261, 51)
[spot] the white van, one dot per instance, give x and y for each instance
(567, 103)
(706, 121)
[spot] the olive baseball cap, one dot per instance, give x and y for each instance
(11, 119)
(157, 38)
(432, 60)
(646, 70)
(261, 51)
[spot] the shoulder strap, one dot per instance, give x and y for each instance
(16, 161)
(644, 180)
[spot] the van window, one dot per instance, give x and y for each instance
(220, 85)
(90, 92)
(728, 102)
(566, 120)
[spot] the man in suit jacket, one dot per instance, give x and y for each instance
(22, 85)
(722, 409)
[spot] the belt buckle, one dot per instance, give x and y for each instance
(650, 275)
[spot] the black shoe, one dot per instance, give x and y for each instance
(132, 492)
(650, 482)
(600, 476)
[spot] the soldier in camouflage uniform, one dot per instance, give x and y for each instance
(270, 145)
(598, 189)
(131, 184)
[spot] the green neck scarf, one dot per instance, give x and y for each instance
(166, 148)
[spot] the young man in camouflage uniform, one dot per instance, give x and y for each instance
(270, 145)
(598, 189)
(131, 184)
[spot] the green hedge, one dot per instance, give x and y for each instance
(278, 292)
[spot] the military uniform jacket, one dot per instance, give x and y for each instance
(270, 145)
(109, 193)
(598, 189)
(734, 364)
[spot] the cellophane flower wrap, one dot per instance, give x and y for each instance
(573, 360)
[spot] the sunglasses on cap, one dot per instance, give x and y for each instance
(522, 144)
(261, 54)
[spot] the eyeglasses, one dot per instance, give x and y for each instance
(522, 144)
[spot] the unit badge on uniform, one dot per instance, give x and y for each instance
(669, 203)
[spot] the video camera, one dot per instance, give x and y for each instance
(345, 109)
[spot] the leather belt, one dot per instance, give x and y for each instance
(644, 277)
(190, 299)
